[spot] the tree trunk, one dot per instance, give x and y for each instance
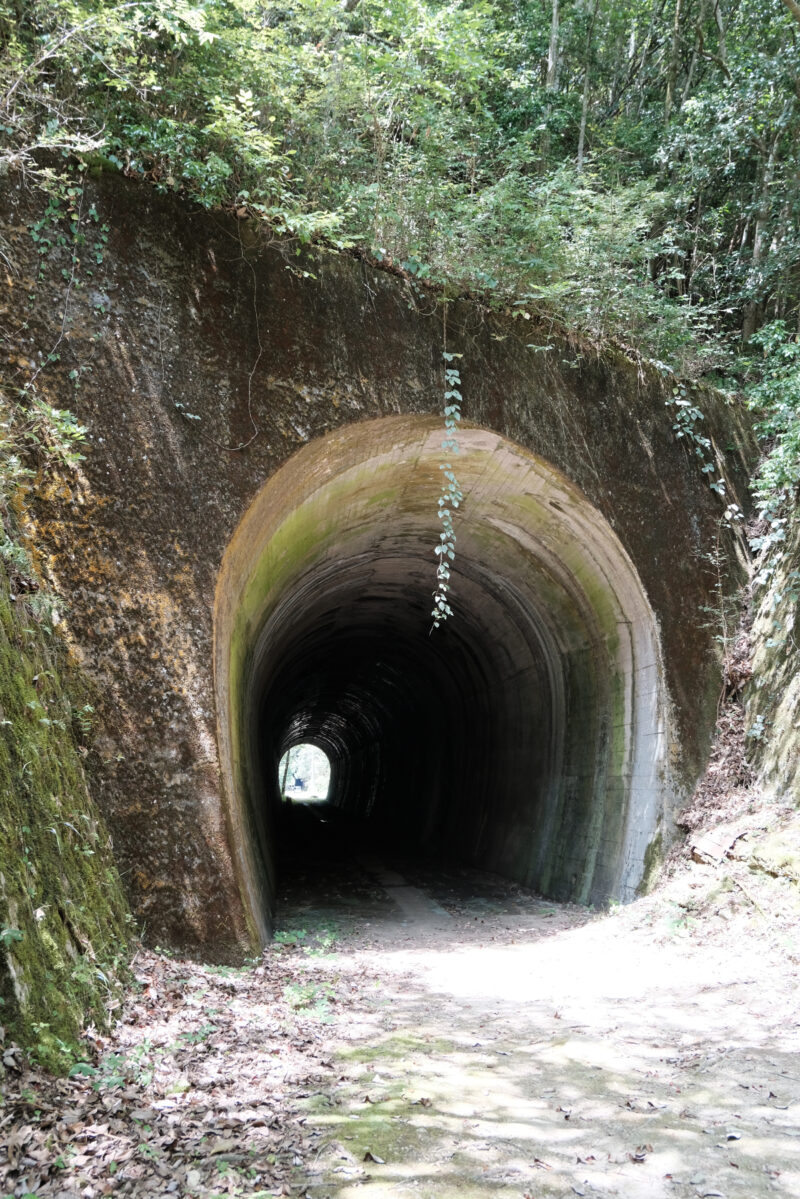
(672, 70)
(754, 307)
(552, 52)
(794, 9)
(695, 53)
(551, 79)
(722, 41)
(585, 98)
(655, 16)
(584, 113)
(693, 261)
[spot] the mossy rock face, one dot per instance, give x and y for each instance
(773, 695)
(778, 853)
(64, 928)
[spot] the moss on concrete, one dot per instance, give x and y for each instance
(653, 859)
(64, 928)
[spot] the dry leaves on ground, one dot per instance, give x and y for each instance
(195, 1094)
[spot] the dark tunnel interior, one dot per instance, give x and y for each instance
(522, 737)
(429, 735)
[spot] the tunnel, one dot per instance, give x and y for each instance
(527, 736)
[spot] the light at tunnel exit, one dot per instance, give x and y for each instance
(304, 774)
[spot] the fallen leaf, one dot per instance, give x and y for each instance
(220, 1145)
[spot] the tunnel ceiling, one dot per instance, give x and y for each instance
(528, 735)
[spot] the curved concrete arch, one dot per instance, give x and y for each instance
(529, 735)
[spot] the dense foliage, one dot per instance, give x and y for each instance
(629, 166)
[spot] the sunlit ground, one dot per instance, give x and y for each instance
(516, 1048)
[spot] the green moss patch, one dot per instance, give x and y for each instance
(653, 859)
(778, 853)
(395, 1047)
(64, 926)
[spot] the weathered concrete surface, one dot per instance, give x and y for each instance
(205, 359)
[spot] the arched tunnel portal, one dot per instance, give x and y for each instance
(528, 735)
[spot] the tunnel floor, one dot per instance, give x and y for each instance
(335, 873)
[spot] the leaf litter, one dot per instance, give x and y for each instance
(195, 1093)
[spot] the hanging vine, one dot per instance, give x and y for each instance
(451, 495)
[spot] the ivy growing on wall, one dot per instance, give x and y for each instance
(451, 494)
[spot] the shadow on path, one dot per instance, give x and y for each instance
(508, 1046)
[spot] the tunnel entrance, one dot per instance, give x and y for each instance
(527, 736)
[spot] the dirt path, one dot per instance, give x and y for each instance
(513, 1047)
(429, 1035)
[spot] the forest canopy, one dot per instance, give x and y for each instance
(629, 167)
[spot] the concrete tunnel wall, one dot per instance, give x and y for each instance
(528, 735)
(209, 356)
